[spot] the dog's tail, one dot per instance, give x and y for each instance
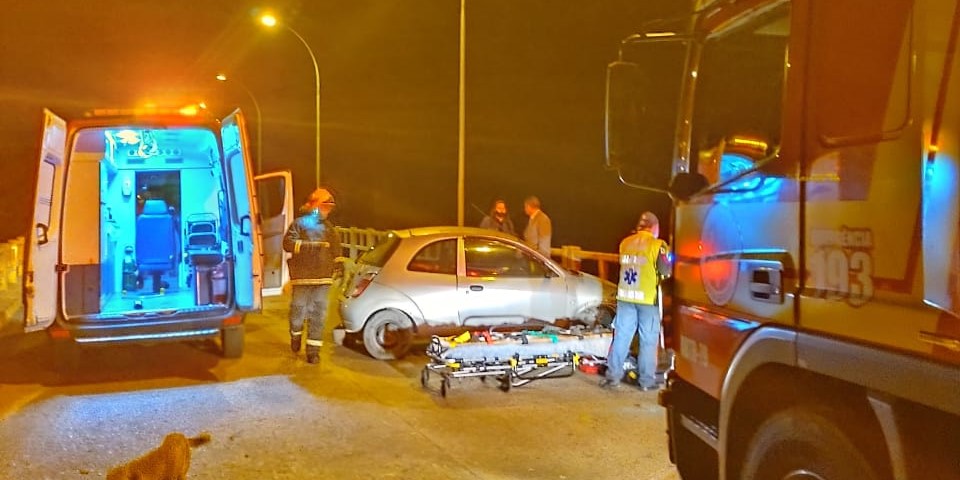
(201, 439)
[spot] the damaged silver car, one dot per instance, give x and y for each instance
(443, 280)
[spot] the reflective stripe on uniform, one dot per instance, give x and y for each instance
(632, 259)
(311, 281)
(630, 295)
(296, 334)
(315, 343)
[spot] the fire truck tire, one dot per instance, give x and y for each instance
(387, 335)
(231, 341)
(799, 442)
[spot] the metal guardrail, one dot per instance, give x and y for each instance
(573, 257)
(358, 240)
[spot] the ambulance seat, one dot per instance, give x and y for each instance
(203, 240)
(157, 249)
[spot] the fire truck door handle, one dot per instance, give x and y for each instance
(766, 284)
(476, 288)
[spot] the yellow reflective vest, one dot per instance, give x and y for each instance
(638, 268)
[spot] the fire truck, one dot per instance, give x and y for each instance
(812, 152)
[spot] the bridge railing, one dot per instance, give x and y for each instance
(356, 240)
(605, 265)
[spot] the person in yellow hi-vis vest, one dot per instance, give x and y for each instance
(644, 258)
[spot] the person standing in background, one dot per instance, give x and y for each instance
(539, 229)
(498, 219)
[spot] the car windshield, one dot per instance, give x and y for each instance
(491, 258)
(381, 252)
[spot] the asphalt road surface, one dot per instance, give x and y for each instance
(271, 415)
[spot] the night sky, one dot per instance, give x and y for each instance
(535, 90)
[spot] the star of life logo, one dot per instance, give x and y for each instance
(630, 276)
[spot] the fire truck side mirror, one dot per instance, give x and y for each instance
(642, 108)
(622, 115)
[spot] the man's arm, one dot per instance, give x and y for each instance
(291, 238)
(294, 243)
(334, 239)
(509, 226)
(664, 263)
(544, 232)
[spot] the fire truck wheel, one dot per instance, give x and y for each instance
(801, 443)
(231, 341)
(387, 334)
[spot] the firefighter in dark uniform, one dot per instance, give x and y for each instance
(314, 246)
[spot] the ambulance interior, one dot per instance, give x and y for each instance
(158, 199)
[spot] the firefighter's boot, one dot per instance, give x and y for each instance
(295, 341)
(313, 354)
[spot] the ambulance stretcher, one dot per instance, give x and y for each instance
(513, 358)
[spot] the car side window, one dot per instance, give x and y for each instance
(437, 257)
(492, 258)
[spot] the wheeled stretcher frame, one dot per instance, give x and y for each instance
(513, 359)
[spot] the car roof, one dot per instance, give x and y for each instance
(451, 230)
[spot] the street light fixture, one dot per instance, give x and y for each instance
(272, 21)
(223, 78)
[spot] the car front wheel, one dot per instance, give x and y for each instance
(387, 335)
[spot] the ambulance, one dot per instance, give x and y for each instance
(146, 228)
(812, 152)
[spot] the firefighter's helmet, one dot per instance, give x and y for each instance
(320, 197)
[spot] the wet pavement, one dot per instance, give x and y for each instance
(273, 416)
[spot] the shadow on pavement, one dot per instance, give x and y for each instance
(34, 359)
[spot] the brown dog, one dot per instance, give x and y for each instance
(169, 461)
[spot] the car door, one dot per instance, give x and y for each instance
(507, 283)
(430, 279)
(246, 250)
(41, 272)
(275, 202)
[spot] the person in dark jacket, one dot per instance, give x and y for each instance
(314, 246)
(498, 219)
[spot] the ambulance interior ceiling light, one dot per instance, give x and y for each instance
(126, 137)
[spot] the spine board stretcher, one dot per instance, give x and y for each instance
(514, 359)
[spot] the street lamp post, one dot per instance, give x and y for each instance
(271, 21)
(461, 130)
(256, 106)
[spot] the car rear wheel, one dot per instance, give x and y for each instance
(387, 335)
